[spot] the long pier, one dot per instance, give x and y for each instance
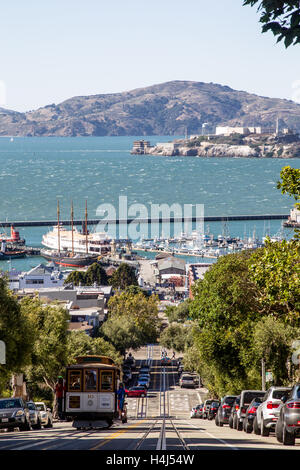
(41, 223)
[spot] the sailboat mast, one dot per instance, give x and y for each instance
(86, 230)
(72, 227)
(58, 228)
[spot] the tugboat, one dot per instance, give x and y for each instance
(14, 237)
(67, 258)
(7, 253)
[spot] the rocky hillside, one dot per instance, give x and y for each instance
(164, 109)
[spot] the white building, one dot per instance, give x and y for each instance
(39, 277)
(227, 130)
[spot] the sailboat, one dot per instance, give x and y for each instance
(65, 257)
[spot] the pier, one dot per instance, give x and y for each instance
(41, 223)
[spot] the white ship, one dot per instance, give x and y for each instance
(87, 243)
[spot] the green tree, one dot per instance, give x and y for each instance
(176, 337)
(290, 184)
(76, 278)
(272, 341)
(123, 277)
(16, 333)
(282, 17)
(80, 344)
(179, 313)
(96, 274)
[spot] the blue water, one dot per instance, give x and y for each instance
(35, 172)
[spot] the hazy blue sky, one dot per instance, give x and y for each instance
(52, 50)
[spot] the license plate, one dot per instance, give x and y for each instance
(4, 420)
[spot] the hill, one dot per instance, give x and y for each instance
(163, 109)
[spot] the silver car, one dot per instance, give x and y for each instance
(288, 423)
(45, 414)
(34, 415)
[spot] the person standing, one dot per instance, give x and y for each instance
(59, 393)
(121, 399)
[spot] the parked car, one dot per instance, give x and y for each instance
(213, 409)
(268, 412)
(186, 381)
(137, 391)
(34, 415)
(288, 423)
(45, 414)
(14, 413)
(251, 414)
(205, 410)
(246, 398)
(233, 411)
(196, 411)
(223, 413)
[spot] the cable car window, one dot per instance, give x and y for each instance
(107, 381)
(91, 380)
(74, 380)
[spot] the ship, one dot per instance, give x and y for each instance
(13, 238)
(9, 252)
(69, 248)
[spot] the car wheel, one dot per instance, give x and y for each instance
(234, 424)
(248, 428)
(256, 429)
(263, 430)
(239, 425)
(278, 430)
(38, 425)
(230, 422)
(288, 439)
(217, 420)
(25, 427)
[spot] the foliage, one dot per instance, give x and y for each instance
(133, 320)
(275, 271)
(282, 17)
(94, 274)
(179, 313)
(16, 333)
(123, 277)
(272, 341)
(176, 337)
(290, 183)
(49, 325)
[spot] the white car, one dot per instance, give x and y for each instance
(46, 417)
(268, 412)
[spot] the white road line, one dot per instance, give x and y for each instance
(214, 437)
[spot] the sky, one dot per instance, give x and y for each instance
(52, 50)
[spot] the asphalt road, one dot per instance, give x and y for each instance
(161, 421)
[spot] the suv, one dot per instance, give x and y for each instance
(267, 413)
(45, 414)
(251, 414)
(233, 411)
(14, 413)
(288, 423)
(187, 381)
(205, 410)
(223, 413)
(246, 398)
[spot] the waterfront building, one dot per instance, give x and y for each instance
(39, 277)
(140, 146)
(227, 130)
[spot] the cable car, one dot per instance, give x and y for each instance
(90, 393)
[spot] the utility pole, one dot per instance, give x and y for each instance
(263, 375)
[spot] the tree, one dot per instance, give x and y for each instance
(176, 337)
(94, 274)
(273, 341)
(290, 184)
(282, 17)
(132, 322)
(275, 271)
(124, 277)
(180, 313)
(80, 344)
(16, 333)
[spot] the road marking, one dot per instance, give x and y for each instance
(116, 434)
(214, 437)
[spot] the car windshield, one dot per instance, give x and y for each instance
(248, 396)
(298, 393)
(278, 394)
(229, 400)
(40, 407)
(186, 377)
(10, 403)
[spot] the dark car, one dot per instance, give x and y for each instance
(288, 423)
(233, 411)
(223, 413)
(213, 409)
(248, 420)
(14, 413)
